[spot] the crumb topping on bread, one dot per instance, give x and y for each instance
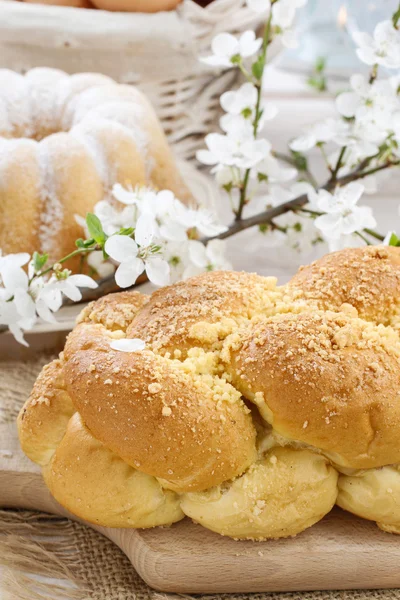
(251, 408)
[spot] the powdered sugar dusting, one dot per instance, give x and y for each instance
(52, 213)
(42, 85)
(84, 134)
(15, 114)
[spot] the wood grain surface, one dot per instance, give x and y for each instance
(340, 552)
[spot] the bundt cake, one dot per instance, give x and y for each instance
(251, 408)
(146, 6)
(137, 5)
(64, 142)
(75, 3)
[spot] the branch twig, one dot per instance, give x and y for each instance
(271, 213)
(257, 117)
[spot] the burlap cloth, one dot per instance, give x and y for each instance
(47, 557)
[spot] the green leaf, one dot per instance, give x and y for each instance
(95, 228)
(394, 240)
(300, 160)
(39, 260)
(85, 243)
(320, 64)
(317, 79)
(319, 83)
(396, 18)
(262, 177)
(126, 231)
(258, 68)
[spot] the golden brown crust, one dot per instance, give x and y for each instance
(203, 310)
(325, 379)
(367, 278)
(323, 385)
(44, 417)
(154, 415)
(98, 486)
(114, 311)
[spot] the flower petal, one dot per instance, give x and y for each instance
(146, 230)
(197, 254)
(70, 290)
(173, 232)
(303, 143)
(14, 278)
(24, 304)
(224, 45)
(82, 281)
(121, 248)
(17, 333)
(328, 223)
(128, 272)
(367, 56)
(206, 157)
(347, 103)
(350, 193)
(123, 195)
(44, 312)
(15, 260)
(128, 345)
(158, 270)
(216, 251)
(248, 44)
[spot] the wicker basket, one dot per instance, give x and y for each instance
(157, 52)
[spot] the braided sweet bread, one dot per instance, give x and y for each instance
(253, 408)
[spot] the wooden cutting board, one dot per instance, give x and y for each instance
(340, 552)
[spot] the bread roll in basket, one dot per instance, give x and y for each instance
(252, 408)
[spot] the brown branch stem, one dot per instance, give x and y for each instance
(271, 213)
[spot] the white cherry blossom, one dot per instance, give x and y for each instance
(103, 267)
(134, 260)
(274, 171)
(383, 48)
(342, 215)
(17, 324)
(12, 275)
(329, 130)
(52, 291)
(25, 297)
(227, 48)
(241, 104)
(128, 195)
(371, 104)
(207, 258)
(203, 220)
(284, 12)
(238, 148)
